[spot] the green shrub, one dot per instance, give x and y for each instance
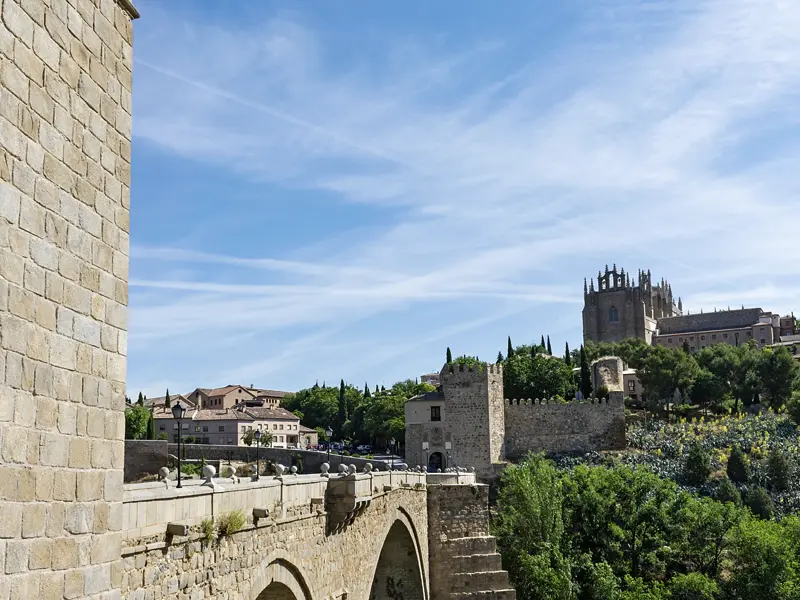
(726, 492)
(207, 529)
(698, 465)
(602, 393)
(780, 470)
(694, 586)
(230, 523)
(738, 465)
(190, 469)
(759, 503)
(793, 407)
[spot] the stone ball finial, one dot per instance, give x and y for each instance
(279, 469)
(472, 469)
(324, 468)
(368, 468)
(209, 472)
(424, 469)
(293, 470)
(163, 473)
(342, 469)
(351, 469)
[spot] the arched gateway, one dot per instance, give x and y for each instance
(398, 572)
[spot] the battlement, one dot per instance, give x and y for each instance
(557, 402)
(458, 372)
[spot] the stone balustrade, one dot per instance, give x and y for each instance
(149, 507)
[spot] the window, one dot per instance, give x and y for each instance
(436, 413)
(205, 428)
(161, 428)
(230, 440)
(702, 337)
(669, 341)
(274, 426)
(713, 336)
(613, 315)
(631, 385)
(174, 425)
(691, 348)
(197, 428)
(763, 341)
(186, 427)
(281, 427)
(725, 336)
(222, 427)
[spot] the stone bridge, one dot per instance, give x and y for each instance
(358, 536)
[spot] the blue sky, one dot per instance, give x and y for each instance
(345, 188)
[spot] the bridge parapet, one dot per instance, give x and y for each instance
(149, 507)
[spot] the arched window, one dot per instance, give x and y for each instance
(613, 315)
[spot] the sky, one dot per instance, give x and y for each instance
(344, 188)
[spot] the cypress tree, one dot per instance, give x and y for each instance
(542, 344)
(366, 391)
(586, 375)
(342, 416)
(510, 351)
(567, 356)
(449, 356)
(377, 391)
(499, 357)
(140, 400)
(534, 350)
(686, 347)
(323, 384)
(151, 427)
(549, 347)
(383, 389)
(167, 401)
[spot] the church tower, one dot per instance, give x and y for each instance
(621, 307)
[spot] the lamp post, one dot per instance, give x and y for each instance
(258, 435)
(329, 435)
(178, 411)
(392, 443)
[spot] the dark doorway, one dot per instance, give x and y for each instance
(435, 462)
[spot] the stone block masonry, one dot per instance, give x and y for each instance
(65, 129)
(561, 428)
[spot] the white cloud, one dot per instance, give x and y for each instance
(514, 181)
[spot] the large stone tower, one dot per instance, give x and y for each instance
(475, 411)
(65, 130)
(622, 308)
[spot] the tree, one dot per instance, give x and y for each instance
(542, 344)
(549, 347)
(140, 400)
(249, 437)
(666, 370)
(779, 470)
(539, 376)
(567, 355)
(760, 504)
(686, 348)
(151, 427)
(586, 376)
(510, 351)
(136, 418)
(367, 393)
(738, 468)
(727, 492)
(342, 414)
(499, 357)
(698, 465)
(167, 401)
(777, 370)
(449, 356)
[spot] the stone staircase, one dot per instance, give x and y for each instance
(477, 573)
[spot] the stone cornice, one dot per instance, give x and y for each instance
(129, 8)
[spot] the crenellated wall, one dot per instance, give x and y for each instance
(563, 427)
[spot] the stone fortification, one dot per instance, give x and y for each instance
(536, 426)
(608, 373)
(474, 407)
(65, 129)
(464, 559)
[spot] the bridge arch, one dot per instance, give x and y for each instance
(279, 579)
(399, 572)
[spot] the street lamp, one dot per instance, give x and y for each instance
(329, 435)
(258, 434)
(392, 443)
(178, 411)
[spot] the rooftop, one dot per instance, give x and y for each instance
(722, 319)
(427, 397)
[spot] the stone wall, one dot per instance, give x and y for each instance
(293, 547)
(724, 319)
(65, 129)
(463, 554)
(570, 427)
(148, 456)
